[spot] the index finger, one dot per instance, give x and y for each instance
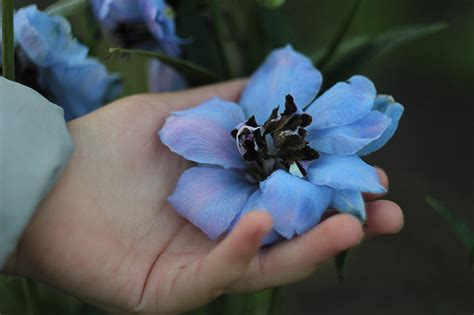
(229, 91)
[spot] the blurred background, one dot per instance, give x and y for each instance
(424, 269)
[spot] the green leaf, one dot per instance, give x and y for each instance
(196, 74)
(337, 39)
(30, 293)
(271, 4)
(340, 262)
(345, 62)
(8, 41)
(460, 228)
(66, 7)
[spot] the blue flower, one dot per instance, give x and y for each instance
(56, 64)
(266, 155)
(144, 24)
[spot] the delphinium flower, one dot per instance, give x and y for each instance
(144, 24)
(270, 154)
(51, 61)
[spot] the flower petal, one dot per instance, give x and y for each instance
(163, 78)
(296, 204)
(255, 202)
(344, 103)
(285, 71)
(211, 197)
(46, 39)
(112, 12)
(348, 139)
(202, 133)
(349, 201)
(159, 18)
(81, 87)
(344, 172)
(384, 104)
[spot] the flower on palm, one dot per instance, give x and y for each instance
(270, 154)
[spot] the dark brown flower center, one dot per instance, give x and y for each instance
(277, 144)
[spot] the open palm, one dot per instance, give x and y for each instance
(106, 234)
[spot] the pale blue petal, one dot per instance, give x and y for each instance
(349, 201)
(80, 88)
(210, 198)
(255, 202)
(342, 104)
(202, 133)
(46, 39)
(384, 104)
(163, 78)
(344, 172)
(348, 139)
(112, 12)
(159, 18)
(285, 71)
(296, 204)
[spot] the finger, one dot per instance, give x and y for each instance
(293, 260)
(383, 217)
(230, 259)
(383, 180)
(230, 90)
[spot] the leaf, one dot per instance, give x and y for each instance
(196, 74)
(340, 262)
(30, 294)
(345, 62)
(271, 4)
(337, 39)
(460, 228)
(66, 7)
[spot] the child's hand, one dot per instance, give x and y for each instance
(107, 235)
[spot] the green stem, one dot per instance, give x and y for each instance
(337, 39)
(30, 293)
(215, 12)
(8, 43)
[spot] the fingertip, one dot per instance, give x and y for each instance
(350, 231)
(383, 217)
(383, 177)
(341, 231)
(258, 221)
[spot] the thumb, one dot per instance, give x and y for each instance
(228, 261)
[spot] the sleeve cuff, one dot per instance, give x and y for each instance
(35, 146)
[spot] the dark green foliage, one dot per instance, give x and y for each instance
(8, 46)
(462, 230)
(358, 52)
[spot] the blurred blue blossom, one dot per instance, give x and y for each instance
(144, 24)
(293, 163)
(53, 62)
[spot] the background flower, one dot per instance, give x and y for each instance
(293, 184)
(144, 24)
(54, 63)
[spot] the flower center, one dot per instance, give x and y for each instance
(277, 144)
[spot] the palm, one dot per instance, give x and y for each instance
(119, 243)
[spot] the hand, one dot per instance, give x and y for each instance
(106, 234)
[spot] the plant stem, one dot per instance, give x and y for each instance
(8, 43)
(30, 294)
(337, 39)
(215, 12)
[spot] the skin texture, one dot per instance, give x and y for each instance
(106, 234)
